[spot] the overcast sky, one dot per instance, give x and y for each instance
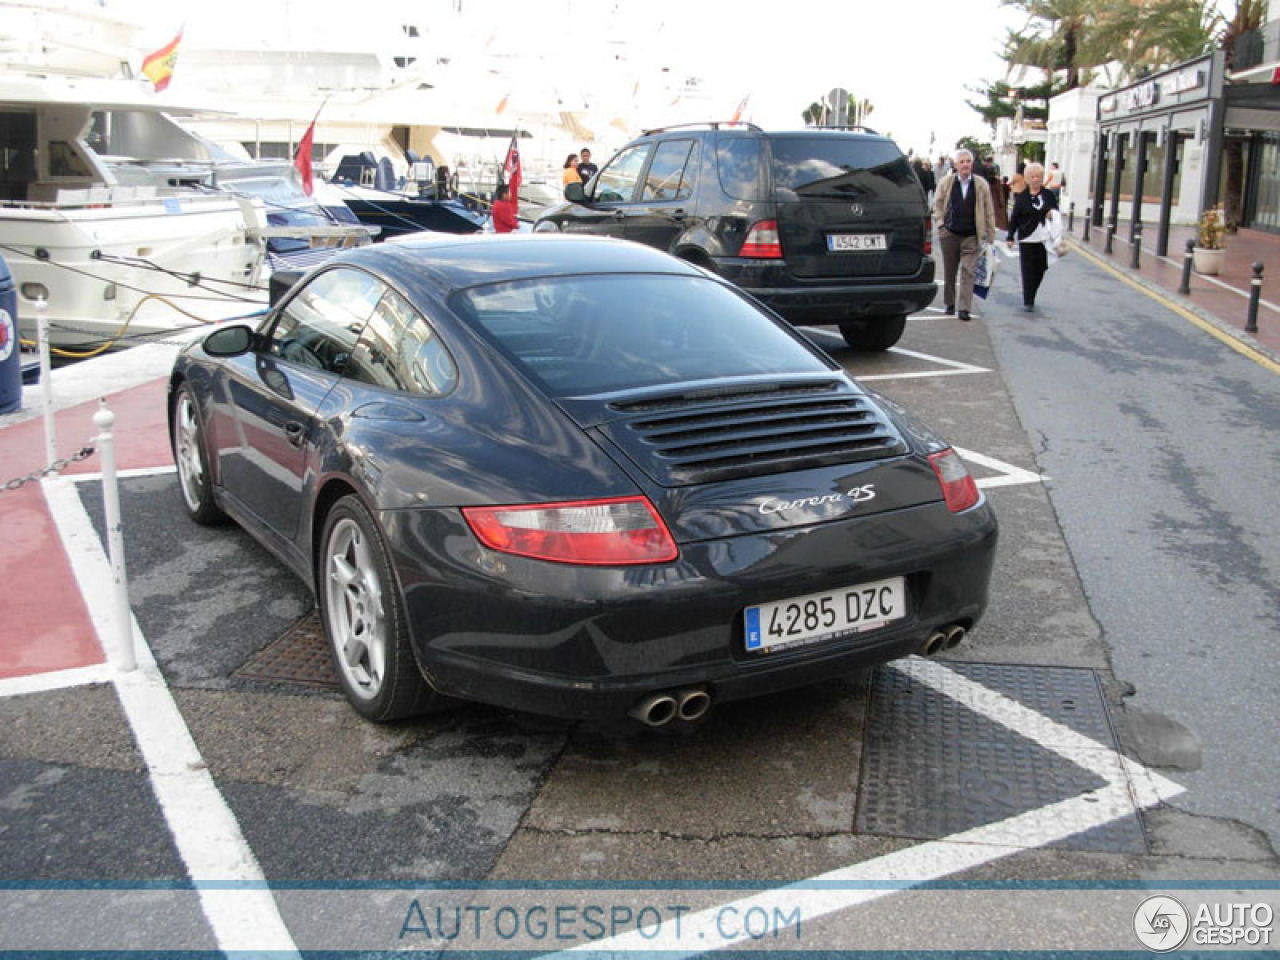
(915, 60)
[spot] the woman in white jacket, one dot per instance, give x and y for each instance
(1035, 215)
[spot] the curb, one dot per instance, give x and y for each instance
(1183, 304)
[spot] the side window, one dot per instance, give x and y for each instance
(666, 179)
(320, 325)
(617, 182)
(738, 159)
(399, 351)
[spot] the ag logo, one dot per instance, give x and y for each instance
(1161, 924)
(8, 335)
(856, 209)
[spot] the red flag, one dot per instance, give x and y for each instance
(158, 66)
(511, 167)
(302, 158)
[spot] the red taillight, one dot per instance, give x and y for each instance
(958, 488)
(762, 241)
(605, 532)
(928, 236)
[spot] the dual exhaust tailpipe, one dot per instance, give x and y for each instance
(659, 709)
(944, 638)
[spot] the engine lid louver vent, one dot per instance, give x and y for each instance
(707, 437)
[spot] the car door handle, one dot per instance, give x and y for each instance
(677, 215)
(295, 433)
(618, 214)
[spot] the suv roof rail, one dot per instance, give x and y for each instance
(848, 126)
(712, 124)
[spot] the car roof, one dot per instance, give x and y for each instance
(453, 261)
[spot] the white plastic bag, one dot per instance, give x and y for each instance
(984, 271)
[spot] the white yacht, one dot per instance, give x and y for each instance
(92, 239)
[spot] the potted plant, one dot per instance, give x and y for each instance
(1211, 235)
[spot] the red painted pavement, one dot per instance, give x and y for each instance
(45, 619)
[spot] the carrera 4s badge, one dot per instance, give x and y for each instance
(854, 494)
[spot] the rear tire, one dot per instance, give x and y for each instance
(192, 460)
(364, 620)
(879, 333)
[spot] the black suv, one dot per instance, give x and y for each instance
(825, 226)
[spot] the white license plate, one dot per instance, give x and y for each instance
(843, 242)
(820, 616)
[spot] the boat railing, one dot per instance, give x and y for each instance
(87, 198)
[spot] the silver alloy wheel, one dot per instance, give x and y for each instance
(353, 602)
(186, 451)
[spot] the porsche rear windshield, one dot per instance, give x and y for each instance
(839, 168)
(584, 335)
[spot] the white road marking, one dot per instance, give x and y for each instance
(204, 829)
(55, 680)
(1129, 787)
(953, 367)
(1009, 474)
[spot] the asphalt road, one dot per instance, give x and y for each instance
(1134, 604)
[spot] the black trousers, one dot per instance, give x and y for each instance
(1035, 261)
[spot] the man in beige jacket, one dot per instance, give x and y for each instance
(966, 221)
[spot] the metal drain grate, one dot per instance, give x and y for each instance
(300, 655)
(932, 767)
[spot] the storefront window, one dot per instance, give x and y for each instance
(1266, 215)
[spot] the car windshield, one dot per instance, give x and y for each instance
(584, 335)
(841, 168)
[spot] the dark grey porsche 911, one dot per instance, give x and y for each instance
(575, 477)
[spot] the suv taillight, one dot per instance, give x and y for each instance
(928, 236)
(762, 241)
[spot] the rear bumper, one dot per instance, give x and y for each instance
(828, 300)
(589, 642)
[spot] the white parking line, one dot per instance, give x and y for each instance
(953, 367)
(1009, 474)
(55, 680)
(205, 832)
(1129, 787)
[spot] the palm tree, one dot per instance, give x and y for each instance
(1060, 35)
(813, 114)
(1151, 34)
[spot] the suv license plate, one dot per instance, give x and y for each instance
(819, 616)
(844, 242)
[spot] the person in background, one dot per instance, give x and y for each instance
(586, 169)
(939, 171)
(1030, 209)
(504, 210)
(924, 173)
(1053, 182)
(571, 174)
(966, 220)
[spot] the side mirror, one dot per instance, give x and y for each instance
(229, 341)
(575, 193)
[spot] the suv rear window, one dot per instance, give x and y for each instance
(840, 168)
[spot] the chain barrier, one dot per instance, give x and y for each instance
(84, 453)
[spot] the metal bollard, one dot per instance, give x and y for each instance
(103, 420)
(1137, 247)
(1185, 287)
(46, 382)
(1087, 221)
(1111, 233)
(1255, 294)
(1071, 217)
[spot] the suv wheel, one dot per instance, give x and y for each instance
(879, 333)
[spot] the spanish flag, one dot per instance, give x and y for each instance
(158, 67)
